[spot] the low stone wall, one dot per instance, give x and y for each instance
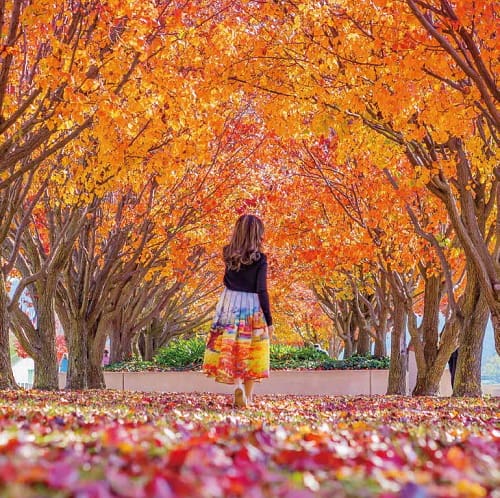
(280, 382)
(302, 382)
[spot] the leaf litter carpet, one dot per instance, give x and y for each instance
(107, 444)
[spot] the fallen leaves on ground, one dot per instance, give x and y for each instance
(105, 444)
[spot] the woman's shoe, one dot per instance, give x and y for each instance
(240, 400)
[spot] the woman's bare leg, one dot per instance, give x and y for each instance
(249, 390)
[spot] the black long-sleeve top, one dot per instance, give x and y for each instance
(251, 278)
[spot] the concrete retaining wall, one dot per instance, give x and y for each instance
(328, 382)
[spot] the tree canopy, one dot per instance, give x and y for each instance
(365, 134)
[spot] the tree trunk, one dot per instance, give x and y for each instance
(470, 331)
(115, 353)
(96, 345)
(380, 346)
(397, 369)
(76, 339)
(121, 345)
(429, 379)
(348, 347)
(468, 373)
(495, 321)
(381, 326)
(147, 340)
(334, 346)
(363, 342)
(6, 376)
(121, 340)
(95, 374)
(46, 368)
(469, 223)
(127, 347)
(426, 338)
(45, 360)
(85, 351)
(147, 343)
(430, 319)
(423, 387)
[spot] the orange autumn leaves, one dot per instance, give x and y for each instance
(269, 101)
(389, 83)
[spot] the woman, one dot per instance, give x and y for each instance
(237, 349)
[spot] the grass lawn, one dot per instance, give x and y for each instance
(103, 444)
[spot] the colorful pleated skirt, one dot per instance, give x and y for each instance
(238, 342)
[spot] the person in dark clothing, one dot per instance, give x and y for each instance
(237, 350)
(452, 365)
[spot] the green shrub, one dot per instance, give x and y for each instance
(134, 365)
(182, 354)
(357, 362)
(187, 354)
(284, 357)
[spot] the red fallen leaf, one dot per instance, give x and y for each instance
(177, 457)
(315, 437)
(295, 459)
(389, 457)
(9, 446)
(180, 484)
(221, 431)
(241, 457)
(327, 459)
(169, 406)
(235, 486)
(7, 471)
(115, 435)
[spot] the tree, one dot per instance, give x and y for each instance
(58, 70)
(40, 261)
(300, 319)
(335, 66)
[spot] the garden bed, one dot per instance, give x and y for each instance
(187, 354)
(294, 370)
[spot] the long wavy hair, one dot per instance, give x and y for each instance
(246, 242)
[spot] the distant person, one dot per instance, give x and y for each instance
(63, 365)
(105, 358)
(237, 350)
(452, 365)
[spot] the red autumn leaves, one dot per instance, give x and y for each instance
(108, 444)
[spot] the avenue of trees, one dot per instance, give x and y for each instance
(132, 134)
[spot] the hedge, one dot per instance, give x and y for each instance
(187, 354)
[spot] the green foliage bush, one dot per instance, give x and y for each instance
(182, 354)
(134, 365)
(187, 354)
(357, 362)
(284, 357)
